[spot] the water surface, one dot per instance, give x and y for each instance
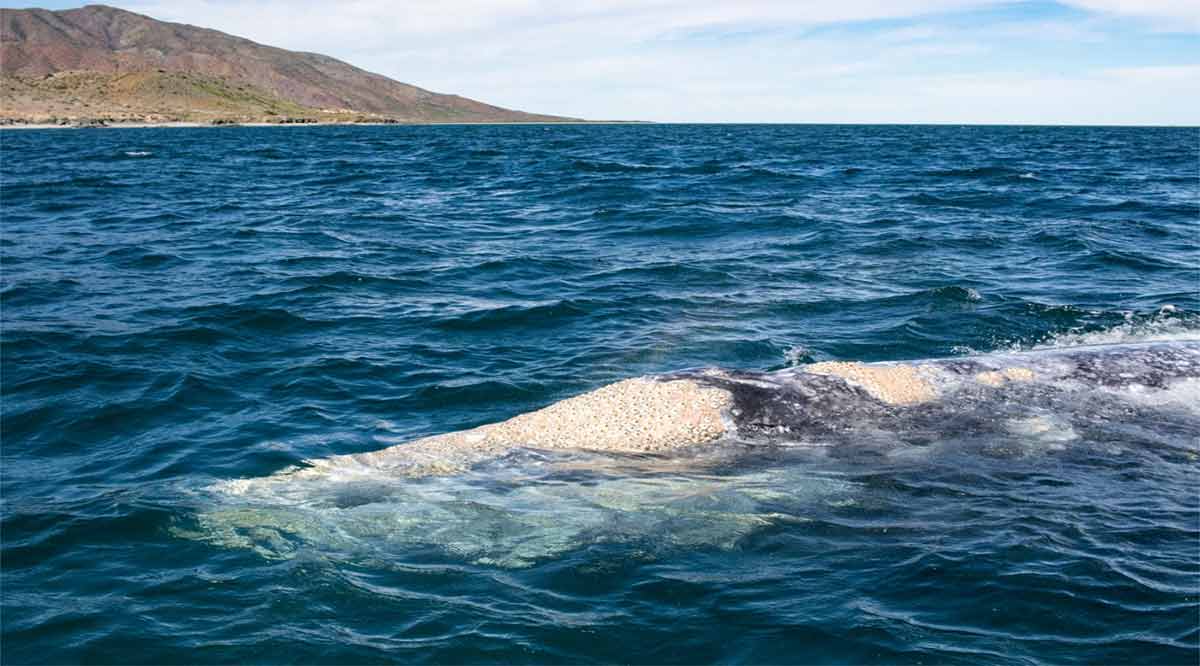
(182, 307)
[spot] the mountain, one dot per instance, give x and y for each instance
(99, 63)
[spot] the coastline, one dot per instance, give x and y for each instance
(192, 125)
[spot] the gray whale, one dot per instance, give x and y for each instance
(822, 404)
(706, 457)
(952, 395)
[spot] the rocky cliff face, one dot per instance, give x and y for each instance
(96, 61)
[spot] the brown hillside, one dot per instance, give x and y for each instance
(100, 61)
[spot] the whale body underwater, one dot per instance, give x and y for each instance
(648, 448)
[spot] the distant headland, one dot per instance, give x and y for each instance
(100, 65)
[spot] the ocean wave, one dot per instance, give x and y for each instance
(598, 166)
(36, 293)
(142, 258)
(1130, 259)
(64, 185)
(349, 279)
(990, 171)
(1167, 324)
(538, 315)
(265, 297)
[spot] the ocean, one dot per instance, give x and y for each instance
(184, 308)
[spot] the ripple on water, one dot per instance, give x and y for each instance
(187, 307)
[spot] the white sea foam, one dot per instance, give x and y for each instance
(1183, 394)
(797, 355)
(138, 153)
(1047, 430)
(1162, 327)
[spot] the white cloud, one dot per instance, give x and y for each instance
(371, 24)
(1099, 97)
(708, 60)
(1167, 15)
(1175, 74)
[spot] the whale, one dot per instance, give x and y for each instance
(825, 404)
(706, 456)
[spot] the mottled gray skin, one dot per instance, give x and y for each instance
(1150, 364)
(1081, 386)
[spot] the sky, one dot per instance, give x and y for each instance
(842, 61)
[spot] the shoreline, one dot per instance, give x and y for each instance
(193, 125)
(188, 124)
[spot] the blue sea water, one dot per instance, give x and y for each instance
(182, 307)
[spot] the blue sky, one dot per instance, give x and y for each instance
(948, 61)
